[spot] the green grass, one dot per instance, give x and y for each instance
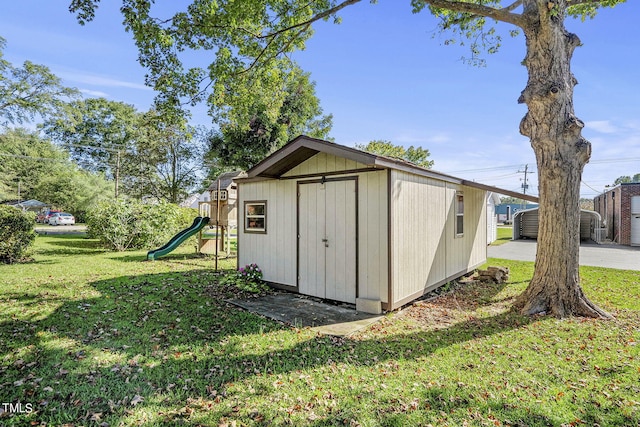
(90, 337)
(505, 234)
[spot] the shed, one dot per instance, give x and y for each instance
(493, 200)
(525, 224)
(333, 222)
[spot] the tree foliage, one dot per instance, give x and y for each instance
(44, 172)
(416, 155)
(626, 179)
(253, 124)
(30, 90)
(129, 224)
(94, 131)
(165, 162)
(16, 234)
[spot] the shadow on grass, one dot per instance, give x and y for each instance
(150, 331)
(159, 340)
(67, 244)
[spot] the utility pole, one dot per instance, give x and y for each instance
(525, 186)
(118, 173)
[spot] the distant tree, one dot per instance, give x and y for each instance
(586, 204)
(25, 161)
(626, 179)
(415, 155)
(165, 161)
(29, 91)
(508, 200)
(254, 123)
(96, 132)
(44, 172)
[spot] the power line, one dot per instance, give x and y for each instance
(19, 156)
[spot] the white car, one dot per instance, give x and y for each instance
(62, 218)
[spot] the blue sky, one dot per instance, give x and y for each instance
(384, 73)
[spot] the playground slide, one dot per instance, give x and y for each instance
(177, 240)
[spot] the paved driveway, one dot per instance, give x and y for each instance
(610, 256)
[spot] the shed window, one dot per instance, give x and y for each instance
(255, 217)
(459, 214)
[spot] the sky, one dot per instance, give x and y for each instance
(386, 74)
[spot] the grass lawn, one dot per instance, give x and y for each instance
(89, 337)
(505, 234)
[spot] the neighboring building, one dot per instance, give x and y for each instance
(505, 211)
(620, 209)
(525, 225)
(27, 205)
(493, 200)
(337, 223)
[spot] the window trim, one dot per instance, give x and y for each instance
(459, 200)
(246, 217)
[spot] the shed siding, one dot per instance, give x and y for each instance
(275, 251)
(323, 163)
(425, 250)
(469, 250)
(373, 247)
(419, 208)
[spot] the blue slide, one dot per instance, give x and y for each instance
(177, 240)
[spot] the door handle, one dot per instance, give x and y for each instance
(326, 242)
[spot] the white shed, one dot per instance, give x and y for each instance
(341, 224)
(493, 200)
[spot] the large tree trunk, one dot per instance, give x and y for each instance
(561, 154)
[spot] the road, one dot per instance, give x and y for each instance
(60, 229)
(591, 254)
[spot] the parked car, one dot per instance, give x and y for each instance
(62, 218)
(43, 217)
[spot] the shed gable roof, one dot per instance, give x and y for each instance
(303, 148)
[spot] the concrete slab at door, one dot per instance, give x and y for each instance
(327, 239)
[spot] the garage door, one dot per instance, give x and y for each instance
(327, 239)
(635, 221)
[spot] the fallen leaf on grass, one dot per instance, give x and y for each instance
(136, 399)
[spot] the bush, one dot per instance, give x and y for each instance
(16, 234)
(247, 278)
(127, 224)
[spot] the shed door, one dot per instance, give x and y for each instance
(635, 221)
(327, 239)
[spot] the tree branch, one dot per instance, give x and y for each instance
(578, 2)
(513, 5)
(314, 18)
(503, 14)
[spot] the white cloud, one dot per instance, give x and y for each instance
(408, 138)
(97, 80)
(602, 126)
(95, 93)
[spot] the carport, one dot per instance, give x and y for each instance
(525, 224)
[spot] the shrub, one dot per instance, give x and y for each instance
(16, 234)
(247, 278)
(128, 224)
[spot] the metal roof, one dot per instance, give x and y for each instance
(303, 148)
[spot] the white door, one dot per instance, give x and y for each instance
(635, 221)
(327, 239)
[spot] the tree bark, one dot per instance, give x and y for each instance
(561, 154)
